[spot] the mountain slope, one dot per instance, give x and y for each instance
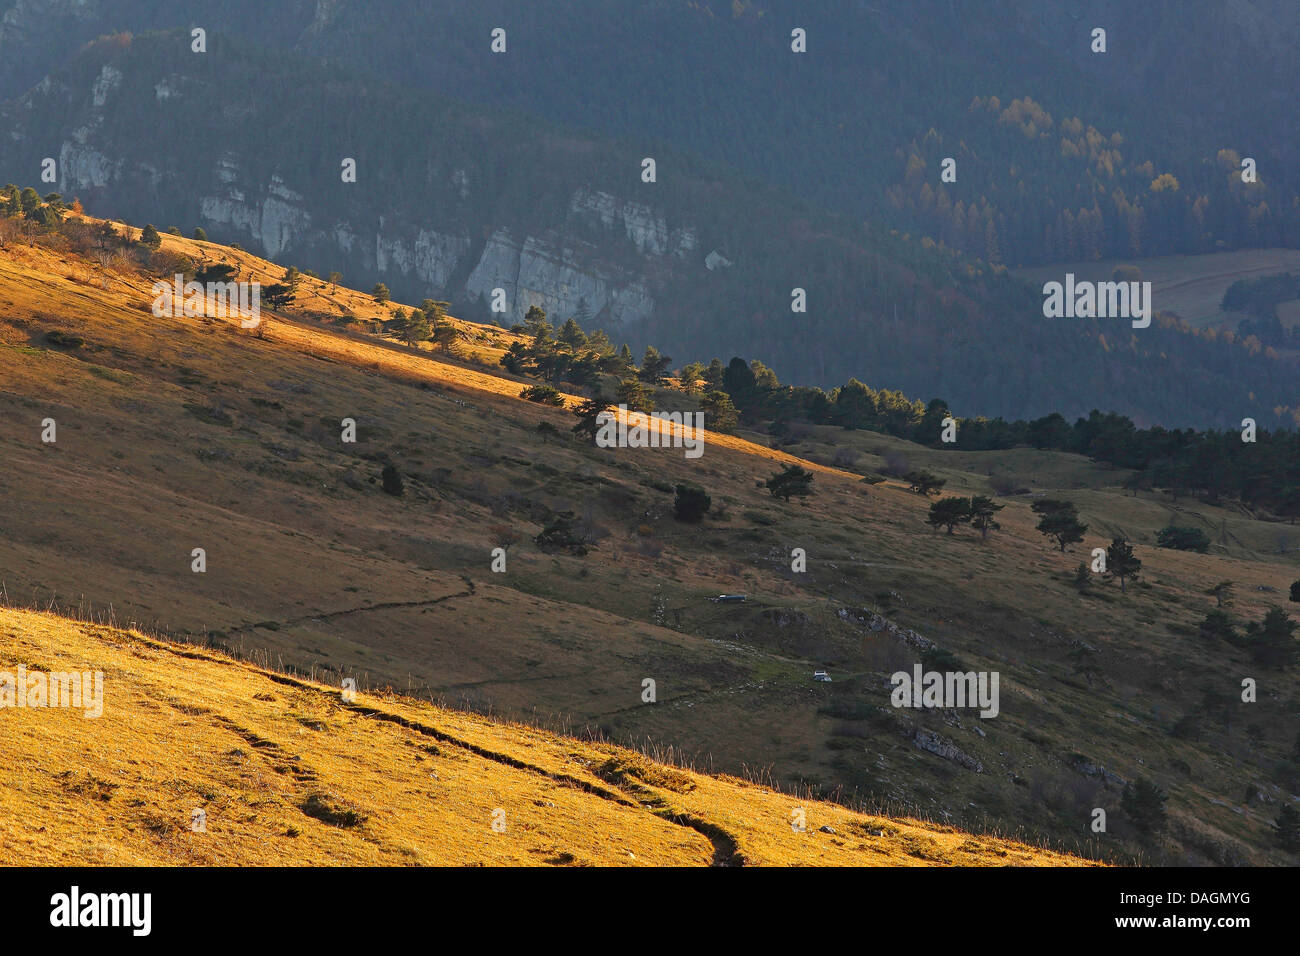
(183, 433)
(287, 772)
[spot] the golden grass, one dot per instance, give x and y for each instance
(288, 773)
(321, 572)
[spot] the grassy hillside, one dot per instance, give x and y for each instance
(184, 433)
(289, 773)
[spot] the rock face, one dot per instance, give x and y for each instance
(276, 221)
(929, 741)
(85, 166)
(647, 229)
(602, 251)
(444, 236)
(534, 271)
(550, 269)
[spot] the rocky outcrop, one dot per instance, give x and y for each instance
(533, 271)
(931, 742)
(875, 621)
(432, 257)
(109, 79)
(83, 167)
(448, 235)
(647, 229)
(716, 260)
(545, 270)
(1081, 764)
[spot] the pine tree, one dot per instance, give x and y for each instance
(1121, 562)
(625, 361)
(633, 394)
(923, 482)
(29, 200)
(690, 503)
(1218, 626)
(391, 480)
(587, 412)
(654, 367)
(949, 512)
(435, 310)
(1222, 592)
(720, 414)
(714, 375)
(1143, 801)
(560, 535)
(795, 481)
(571, 334)
(1272, 641)
(414, 326)
(535, 324)
(1059, 520)
(277, 295)
(542, 395)
(689, 377)
(445, 335)
(982, 512)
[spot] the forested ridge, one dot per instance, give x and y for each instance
(886, 302)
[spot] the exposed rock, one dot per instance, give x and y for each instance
(715, 260)
(534, 273)
(552, 264)
(647, 229)
(878, 622)
(929, 741)
(82, 167)
(109, 79)
(1083, 765)
(431, 256)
